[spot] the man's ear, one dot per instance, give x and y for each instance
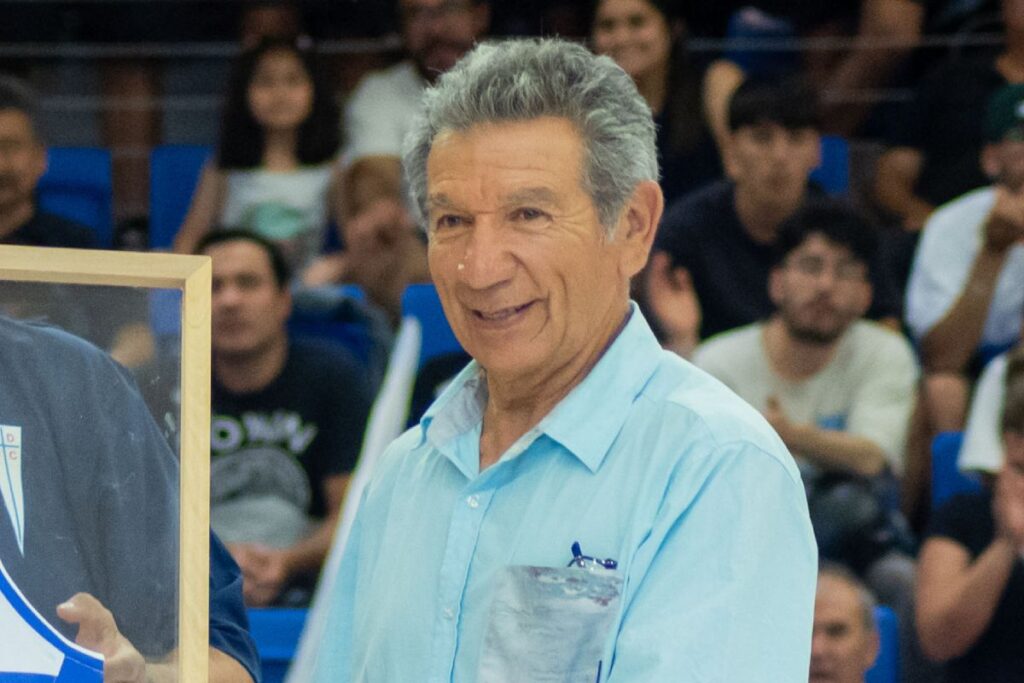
(638, 224)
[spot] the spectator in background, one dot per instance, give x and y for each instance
(647, 38)
(384, 249)
(124, 331)
(936, 155)
(714, 249)
(982, 449)
(274, 172)
(845, 643)
(965, 296)
(885, 32)
(287, 424)
(970, 593)
(838, 390)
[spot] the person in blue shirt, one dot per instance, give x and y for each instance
(578, 504)
(89, 515)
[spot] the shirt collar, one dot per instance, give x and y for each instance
(585, 422)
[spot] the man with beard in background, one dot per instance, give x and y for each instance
(838, 390)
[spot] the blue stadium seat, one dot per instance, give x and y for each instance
(887, 666)
(276, 632)
(78, 185)
(173, 175)
(334, 314)
(947, 479)
(422, 302)
(833, 173)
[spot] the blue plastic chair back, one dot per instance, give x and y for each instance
(276, 632)
(173, 175)
(947, 479)
(78, 185)
(833, 173)
(422, 302)
(886, 668)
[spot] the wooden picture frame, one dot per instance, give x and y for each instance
(192, 276)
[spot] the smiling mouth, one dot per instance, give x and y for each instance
(501, 314)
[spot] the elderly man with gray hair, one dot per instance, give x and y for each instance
(578, 505)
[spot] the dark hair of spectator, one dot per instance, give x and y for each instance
(17, 95)
(282, 274)
(1012, 419)
(683, 108)
(241, 136)
(836, 221)
(789, 103)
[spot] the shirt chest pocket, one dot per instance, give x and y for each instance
(549, 624)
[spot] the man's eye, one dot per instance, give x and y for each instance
(528, 214)
(449, 221)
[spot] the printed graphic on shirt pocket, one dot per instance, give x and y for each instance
(549, 624)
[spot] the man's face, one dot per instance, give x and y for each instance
(438, 32)
(249, 308)
(772, 163)
(22, 159)
(819, 290)
(527, 276)
(842, 646)
(1004, 160)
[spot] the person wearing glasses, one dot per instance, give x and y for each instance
(838, 389)
(578, 504)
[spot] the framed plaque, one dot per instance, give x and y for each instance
(104, 438)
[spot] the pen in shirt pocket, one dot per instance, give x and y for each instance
(589, 563)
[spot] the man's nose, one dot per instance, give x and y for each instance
(486, 260)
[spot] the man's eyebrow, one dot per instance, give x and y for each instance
(532, 195)
(439, 201)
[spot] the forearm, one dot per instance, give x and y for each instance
(721, 81)
(836, 450)
(888, 31)
(898, 170)
(949, 345)
(307, 556)
(952, 617)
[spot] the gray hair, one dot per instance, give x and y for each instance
(520, 80)
(865, 597)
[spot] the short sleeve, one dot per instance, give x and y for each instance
(943, 261)
(965, 519)
(347, 411)
(885, 398)
(229, 624)
(982, 448)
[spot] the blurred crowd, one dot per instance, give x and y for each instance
(863, 318)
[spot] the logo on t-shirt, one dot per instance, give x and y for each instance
(10, 480)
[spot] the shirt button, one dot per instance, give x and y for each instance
(473, 502)
(448, 613)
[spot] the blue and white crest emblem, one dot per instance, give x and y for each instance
(10, 480)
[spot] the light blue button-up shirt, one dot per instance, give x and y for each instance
(648, 461)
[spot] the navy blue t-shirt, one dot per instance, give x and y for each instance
(997, 656)
(99, 490)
